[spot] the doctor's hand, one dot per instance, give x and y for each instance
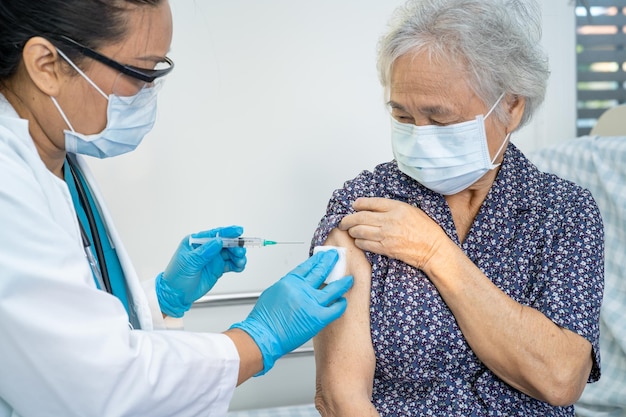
(194, 270)
(294, 309)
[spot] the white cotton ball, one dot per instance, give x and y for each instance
(339, 270)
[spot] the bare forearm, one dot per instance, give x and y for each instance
(518, 343)
(344, 370)
(250, 357)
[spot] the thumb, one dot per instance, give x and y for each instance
(207, 251)
(334, 311)
(336, 289)
(324, 263)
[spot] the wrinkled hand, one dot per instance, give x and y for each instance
(294, 309)
(194, 270)
(394, 229)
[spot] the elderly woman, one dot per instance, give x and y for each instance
(478, 278)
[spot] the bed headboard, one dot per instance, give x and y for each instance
(611, 123)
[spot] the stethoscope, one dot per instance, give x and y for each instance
(101, 273)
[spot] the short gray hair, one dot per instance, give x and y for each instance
(495, 41)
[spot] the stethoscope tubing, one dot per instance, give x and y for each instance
(97, 243)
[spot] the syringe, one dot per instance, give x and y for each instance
(241, 242)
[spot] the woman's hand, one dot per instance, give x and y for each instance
(394, 229)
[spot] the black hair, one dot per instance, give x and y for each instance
(92, 23)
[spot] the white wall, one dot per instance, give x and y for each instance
(272, 105)
(556, 120)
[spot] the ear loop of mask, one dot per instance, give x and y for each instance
(78, 70)
(82, 74)
(494, 106)
(506, 138)
(67, 121)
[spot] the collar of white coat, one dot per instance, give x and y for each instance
(14, 123)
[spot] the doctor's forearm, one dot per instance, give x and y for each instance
(250, 357)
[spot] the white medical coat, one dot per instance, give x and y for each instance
(66, 348)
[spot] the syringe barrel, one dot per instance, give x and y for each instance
(231, 242)
(242, 242)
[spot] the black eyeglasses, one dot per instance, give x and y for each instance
(146, 75)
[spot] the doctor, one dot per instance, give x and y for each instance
(79, 335)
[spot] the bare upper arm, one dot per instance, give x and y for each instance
(344, 355)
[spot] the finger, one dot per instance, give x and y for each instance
(373, 233)
(321, 261)
(362, 227)
(347, 222)
(208, 250)
(372, 204)
(229, 231)
(235, 265)
(322, 268)
(234, 252)
(205, 233)
(373, 246)
(335, 290)
(201, 256)
(363, 217)
(335, 310)
(235, 260)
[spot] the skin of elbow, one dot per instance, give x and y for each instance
(564, 380)
(341, 403)
(322, 403)
(564, 390)
(322, 408)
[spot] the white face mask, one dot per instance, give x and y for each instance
(129, 119)
(446, 159)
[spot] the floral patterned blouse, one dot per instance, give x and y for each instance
(539, 238)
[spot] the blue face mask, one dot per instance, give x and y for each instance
(446, 159)
(129, 119)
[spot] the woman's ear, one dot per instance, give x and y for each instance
(515, 106)
(41, 61)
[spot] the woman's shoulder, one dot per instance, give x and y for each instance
(548, 189)
(563, 194)
(384, 180)
(380, 171)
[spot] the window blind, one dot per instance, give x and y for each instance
(600, 58)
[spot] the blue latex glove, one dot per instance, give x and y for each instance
(193, 271)
(294, 309)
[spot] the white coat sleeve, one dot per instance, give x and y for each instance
(158, 321)
(67, 349)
